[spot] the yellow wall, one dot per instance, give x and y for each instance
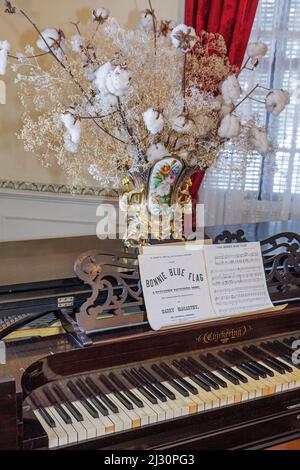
(15, 163)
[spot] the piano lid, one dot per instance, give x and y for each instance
(36, 261)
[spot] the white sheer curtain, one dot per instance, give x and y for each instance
(270, 189)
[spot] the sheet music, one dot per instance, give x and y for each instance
(237, 279)
(175, 287)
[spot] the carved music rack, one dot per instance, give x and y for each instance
(117, 297)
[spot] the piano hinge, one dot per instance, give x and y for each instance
(294, 407)
(65, 302)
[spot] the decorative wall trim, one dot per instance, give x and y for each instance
(31, 215)
(57, 189)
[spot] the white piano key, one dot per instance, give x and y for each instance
(292, 376)
(206, 397)
(183, 403)
(59, 430)
(68, 428)
(296, 372)
(237, 393)
(79, 428)
(116, 420)
(130, 419)
(155, 412)
(53, 441)
(88, 425)
(140, 411)
(102, 424)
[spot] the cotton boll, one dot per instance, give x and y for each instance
(231, 90)
(156, 152)
(118, 80)
(260, 142)
(100, 15)
(73, 127)
(4, 49)
(109, 100)
(226, 109)
(76, 43)
(230, 127)
(154, 121)
(147, 21)
(256, 51)
(166, 27)
(276, 102)
(54, 39)
(101, 75)
(184, 38)
(216, 103)
(69, 145)
(182, 124)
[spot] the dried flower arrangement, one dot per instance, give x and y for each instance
(112, 102)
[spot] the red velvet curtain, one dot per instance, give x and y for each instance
(231, 18)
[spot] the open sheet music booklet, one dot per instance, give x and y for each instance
(193, 283)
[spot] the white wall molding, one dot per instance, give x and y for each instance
(26, 215)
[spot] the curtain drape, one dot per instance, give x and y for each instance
(233, 19)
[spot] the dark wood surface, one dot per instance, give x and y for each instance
(9, 432)
(35, 362)
(51, 259)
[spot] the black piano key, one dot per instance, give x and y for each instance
(116, 393)
(203, 384)
(264, 369)
(69, 405)
(286, 353)
(97, 391)
(88, 393)
(126, 391)
(77, 393)
(43, 413)
(235, 361)
(273, 365)
(200, 375)
(207, 372)
(131, 379)
(234, 373)
(246, 369)
(285, 366)
(238, 360)
(252, 365)
(180, 379)
(181, 390)
(152, 388)
(282, 351)
(58, 408)
(157, 384)
(216, 364)
(283, 347)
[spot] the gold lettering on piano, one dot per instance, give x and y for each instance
(224, 336)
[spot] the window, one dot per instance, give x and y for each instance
(276, 178)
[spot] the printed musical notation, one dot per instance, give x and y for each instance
(237, 279)
(182, 286)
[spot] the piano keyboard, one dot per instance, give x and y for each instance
(43, 327)
(91, 406)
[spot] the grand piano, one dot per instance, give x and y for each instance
(80, 367)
